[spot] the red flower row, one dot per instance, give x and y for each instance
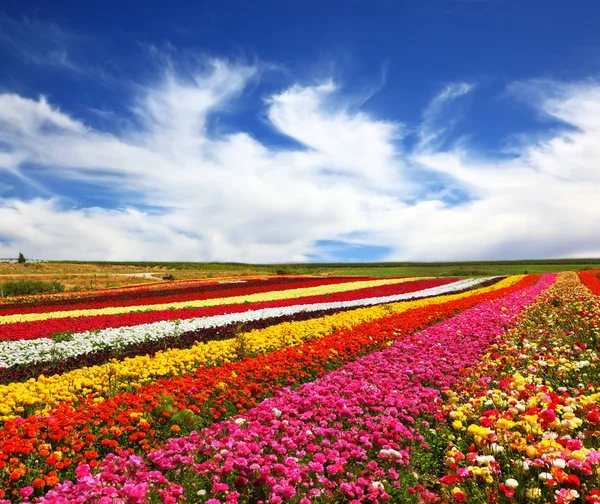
(590, 280)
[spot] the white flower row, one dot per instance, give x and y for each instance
(44, 349)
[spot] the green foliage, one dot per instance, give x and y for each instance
(28, 287)
(63, 336)
(240, 343)
(465, 272)
(21, 259)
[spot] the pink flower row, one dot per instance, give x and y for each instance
(340, 435)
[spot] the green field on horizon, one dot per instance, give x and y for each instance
(376, 269)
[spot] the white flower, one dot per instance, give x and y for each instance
(240, 421)
(390, 453)
(378, 485)
(485, 459)
(276, 412)
(496, 448)
(201, 492)
(561, 463)
(511, 483)
(545, 476)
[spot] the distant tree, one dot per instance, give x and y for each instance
(21, 259)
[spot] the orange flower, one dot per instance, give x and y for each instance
(16, 474)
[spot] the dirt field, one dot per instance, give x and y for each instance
(96, 276)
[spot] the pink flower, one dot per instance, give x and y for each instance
(25, 492)
(220, 487)
(288, 492)
(548, 416)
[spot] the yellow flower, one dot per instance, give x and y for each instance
(531, 451)
(457, 425)
(503, 423)
(533, 493)
(477, 430)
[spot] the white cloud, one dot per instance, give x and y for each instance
(231, 197)
(353, 145)
(436, 120)
(543, 203)
(44, 43)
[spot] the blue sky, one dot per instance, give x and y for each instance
(300, 131)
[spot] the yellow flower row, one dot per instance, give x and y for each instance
(37, 395)
(200, 303)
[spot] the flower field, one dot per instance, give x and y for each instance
(304, 390)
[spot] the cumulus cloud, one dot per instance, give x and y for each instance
(349, 177)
